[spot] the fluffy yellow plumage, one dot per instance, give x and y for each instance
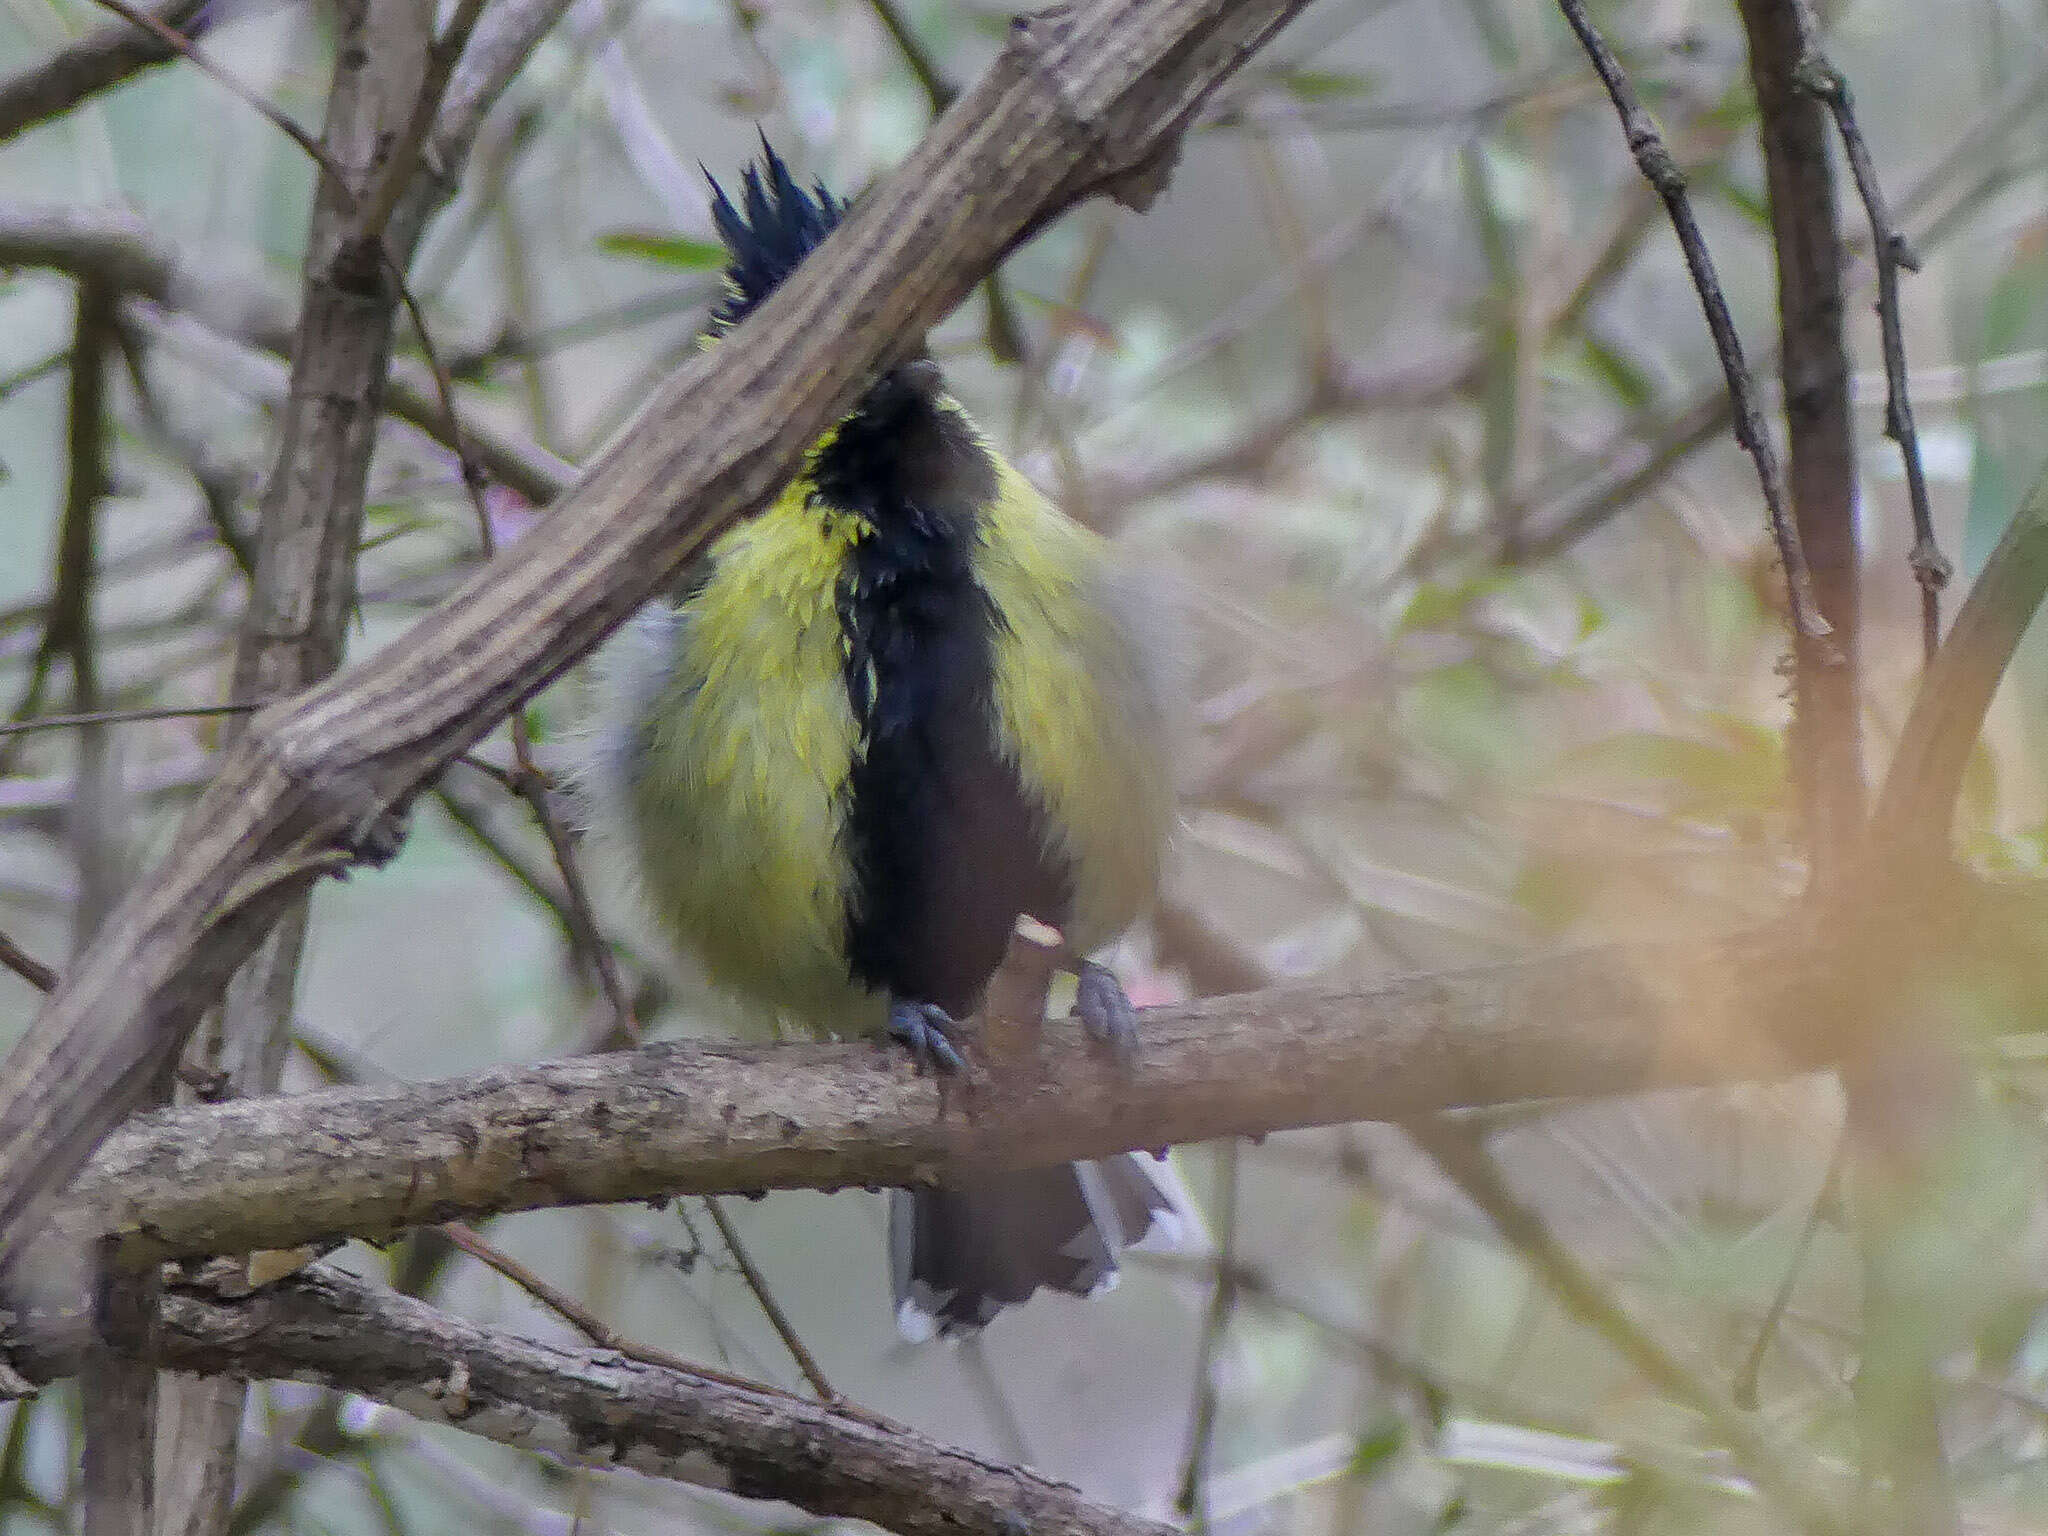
(735, 708)
(908, 702)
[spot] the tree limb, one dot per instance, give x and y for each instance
(92, 64)
(707, 1119)
(598, 1407)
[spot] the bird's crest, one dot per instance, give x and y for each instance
(767, 234)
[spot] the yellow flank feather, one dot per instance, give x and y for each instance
(1079, 702)
(732, 770)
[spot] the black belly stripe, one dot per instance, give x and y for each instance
(946, 848)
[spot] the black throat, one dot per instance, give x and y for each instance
(945, 849)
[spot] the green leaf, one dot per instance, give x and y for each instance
(1443, 605)
(678, 253)
(1741, 773)
(1630, 385)
(1376, 1446)
(1324, 84)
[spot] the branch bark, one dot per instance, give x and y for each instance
(1826, 744)
(698, 1119)
(98, 62)
(294, 627)
(598, 1407)
(1080, 101)
(1901, 1087)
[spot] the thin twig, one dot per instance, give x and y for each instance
(1464, 1159)
(981, 1375)
(31, 970)
(527, 780)
(1891, 251)
(1662, 171)
(777, 1318)
(183, 46)
(1191, 1501)
(123, 717)
(1743, 1388)
(374, 212)
(600, 1333)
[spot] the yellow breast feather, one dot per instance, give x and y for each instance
(746, 747)
(1079, 703)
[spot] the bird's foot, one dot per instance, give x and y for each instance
(1104, 1009)
(933, 1035)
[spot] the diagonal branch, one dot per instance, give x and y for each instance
(96, 63)
(1081, 101)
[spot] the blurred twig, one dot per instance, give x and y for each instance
(95, 63)
(95, 717)
(1743, 1388)
(118, 1397)
(770, 1308)
(1891, 252)
(1464, 1160)
(1663, 173)
(1191, 1500)
(31, 970)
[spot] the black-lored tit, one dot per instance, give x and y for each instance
(905, 704)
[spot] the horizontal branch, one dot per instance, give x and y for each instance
(701, 1119)
(597, 1407)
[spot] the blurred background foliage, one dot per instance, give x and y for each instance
(1403, 397)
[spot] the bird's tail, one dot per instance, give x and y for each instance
(962, 1254)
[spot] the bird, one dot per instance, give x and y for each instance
(866, 731)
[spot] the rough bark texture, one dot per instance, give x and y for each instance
(601, 1408)
(292, 631)
(670, 1119)
(1901, 1088)
(1821, 469)
(1080, 101)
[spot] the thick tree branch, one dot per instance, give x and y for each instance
(1080, 101)
(699, 1119)
(597, 1407)
(301, 592)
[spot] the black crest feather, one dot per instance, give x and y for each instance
(767, 234)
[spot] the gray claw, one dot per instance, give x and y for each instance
(1105, 1011)
(930, 1032)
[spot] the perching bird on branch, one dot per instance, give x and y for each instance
(907, 703)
